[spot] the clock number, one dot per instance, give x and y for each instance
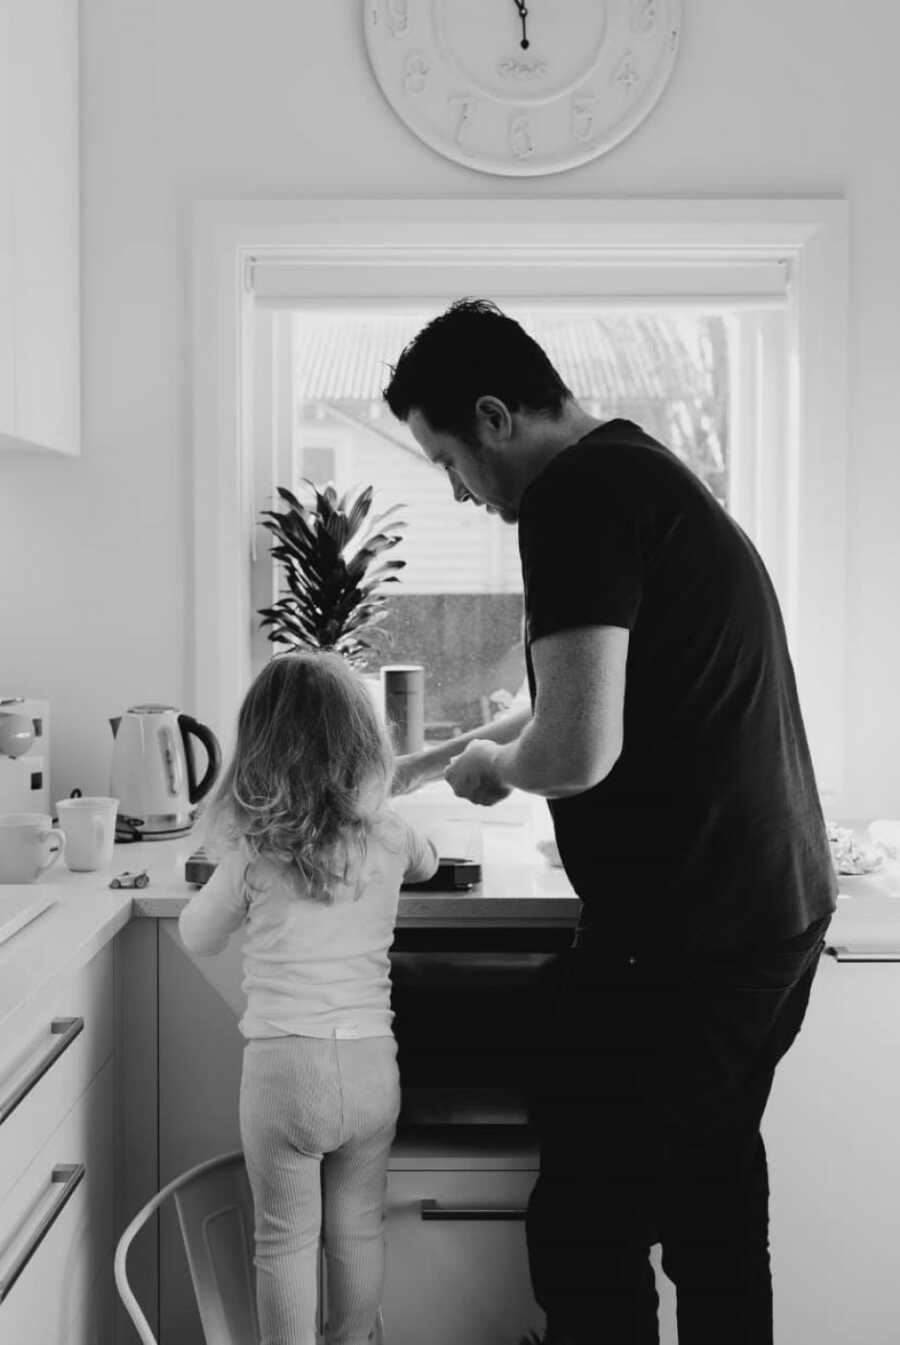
(510, 68)
(397, 14)
(415, 71)
(464, 107)
(582, 116)
(520, 138)
(644, 15)
(626, 73)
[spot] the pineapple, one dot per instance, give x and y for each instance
(328, 552)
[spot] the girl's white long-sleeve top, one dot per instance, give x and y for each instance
(312, 969)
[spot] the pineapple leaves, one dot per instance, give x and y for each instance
(359, 510)
(328, 551)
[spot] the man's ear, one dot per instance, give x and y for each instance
(494, 416)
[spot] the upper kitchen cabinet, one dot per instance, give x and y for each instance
(40, 401)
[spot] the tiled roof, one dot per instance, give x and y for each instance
(613, 360)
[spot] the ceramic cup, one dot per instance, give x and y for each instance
(29, 845)
(89, 825)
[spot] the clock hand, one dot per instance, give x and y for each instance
(523, 15)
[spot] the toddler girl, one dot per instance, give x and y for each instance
(311, 858)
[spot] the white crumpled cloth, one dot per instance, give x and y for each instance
(878, 845)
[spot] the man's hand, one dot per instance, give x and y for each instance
(473, 775)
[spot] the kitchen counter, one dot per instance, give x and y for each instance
(85, 916)
(519, 887)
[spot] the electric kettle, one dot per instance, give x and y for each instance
(154, 775)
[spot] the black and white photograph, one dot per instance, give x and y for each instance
(449, 721)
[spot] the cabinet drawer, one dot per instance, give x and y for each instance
(65, 1059)
(94, 1322)
(457, 1263)
(53, 1288)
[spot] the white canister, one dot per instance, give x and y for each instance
(404, 706)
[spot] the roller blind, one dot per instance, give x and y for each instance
(620, 279)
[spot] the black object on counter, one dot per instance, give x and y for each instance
(453, 875)
(198, 867)
(128, 829)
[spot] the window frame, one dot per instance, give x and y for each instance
(642, 251)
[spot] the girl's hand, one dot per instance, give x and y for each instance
(408, 774)
(473, 774)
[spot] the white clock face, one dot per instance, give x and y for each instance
(522, 86)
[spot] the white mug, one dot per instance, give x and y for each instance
(27, 846)
(89, 824)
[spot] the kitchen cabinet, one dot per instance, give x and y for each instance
(65, 1289)
(200, 1057)
(448, 1279)
(832, 1132)
(39, 225)
(137, 1114)
(832, 1136)
(57, 1218)
(457, 1265)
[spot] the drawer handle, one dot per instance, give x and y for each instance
(848, 955)
(66, 1030)
(69, 1174)
(430, 1209)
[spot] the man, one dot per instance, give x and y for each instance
(665, 733)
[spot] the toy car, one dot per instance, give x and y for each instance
(128, 879)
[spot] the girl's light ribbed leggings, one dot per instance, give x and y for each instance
(318, 1116)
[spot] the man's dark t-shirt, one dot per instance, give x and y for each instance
(707, 834)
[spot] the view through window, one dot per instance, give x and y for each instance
(457, 609)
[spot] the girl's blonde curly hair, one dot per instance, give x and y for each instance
(311, 769)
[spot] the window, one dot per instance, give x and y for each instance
(756, 291)
(318, 462)
(458, 607)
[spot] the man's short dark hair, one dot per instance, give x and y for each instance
(470, 351)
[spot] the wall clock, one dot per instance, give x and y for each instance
(522, 86)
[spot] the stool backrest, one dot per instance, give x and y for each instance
(215, 1210)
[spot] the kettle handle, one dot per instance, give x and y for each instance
(189, 725)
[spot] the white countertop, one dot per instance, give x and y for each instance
(519, 886)
(84, 917)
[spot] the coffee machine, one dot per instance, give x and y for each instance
(25, 776)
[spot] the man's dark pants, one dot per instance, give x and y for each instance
(647, 1104)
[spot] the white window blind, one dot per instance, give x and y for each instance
(620, 279)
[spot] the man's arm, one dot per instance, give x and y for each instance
(430, 764)
(575, 736)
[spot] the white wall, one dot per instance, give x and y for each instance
(184, 99)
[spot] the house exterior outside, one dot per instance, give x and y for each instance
(457, 609)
